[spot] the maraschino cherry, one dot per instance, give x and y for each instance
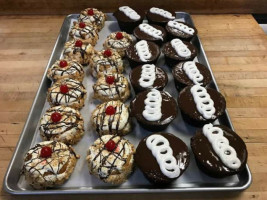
(63, 63)
(64, 89)
(46, 152)
(107, 53)
(82, 25)
(90, 12)
(110, 79)
(78, 43)
(119, 35)
(110, 110)
(110, 145)
(56, 117)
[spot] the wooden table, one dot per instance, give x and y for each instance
(236, 48)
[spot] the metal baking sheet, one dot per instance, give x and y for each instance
(81, 181)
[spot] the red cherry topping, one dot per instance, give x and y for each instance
(82, 25)
(110, 145)
(90, 12)
(110, 110)
(46, 152)
(56, 117)
(78, 43)
(110, 79)
(64, 89)
(63, 63)
(119, 35)
(107, 53)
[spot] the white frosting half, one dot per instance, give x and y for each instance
(148, 75)
(181, 27)
(150, 30)
(220, 145)
(129, 12)
(162, 151)
(180, 48)
(161, 12)
(192, 72)
(142, 49)
(204, 103)
(152, 110)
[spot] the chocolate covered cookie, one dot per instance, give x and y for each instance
(142, 52)
(190, 73)
(201, 105)
(153, 109)
(148, 76)
(162, 158)
(181, 30)
(177, 51)
(219, 151)
(159, 16)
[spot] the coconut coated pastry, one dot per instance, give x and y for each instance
(111, 159)
(49, 164)
(67, 92)
(62, 124)
(112, 87)
(111, 117)
(66, 69)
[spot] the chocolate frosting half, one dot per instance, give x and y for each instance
(140, 35)
(188, 106)
(209, 160)
(158, 18)
(148, 164)
(180, 76)
(170, 52)
(131, 52)
(159, 83)
(180, 34)
(168, 108)
(124, 18)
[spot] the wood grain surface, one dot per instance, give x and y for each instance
(58, 7)
(236, 48)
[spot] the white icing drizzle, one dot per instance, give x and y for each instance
(192, 72)
(143, 50)
(220, 145)
(162, 151)
(152, 110)
(180, 48)
(161, 12)
(148, 75)
(181, 27)
(204, 103)
(150, 30)
(129, 12)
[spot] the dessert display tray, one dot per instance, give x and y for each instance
(81, 181)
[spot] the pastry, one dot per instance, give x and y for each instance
(142, 52)
(153, 109)
(86, 32)
(111, 117)
(79, 51)
(162, 158)
(128, 18)
(159, 16)
(153, 33)
(67, 92)
(111, 159)
(62, 124)
(112, 87)
(118, 41)
(177, 51)
(219, 151)
(49, 164)
(65, 69)
(181, 30)
(93, 16)
(106, 62)
(201, 105)
(148, 76)
(190, 73)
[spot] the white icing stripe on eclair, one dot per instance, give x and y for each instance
(181, 27)
(180, 48)
(148, 75)
(204, 103)
(150, 30)
(192, 72)
(152, 110)
(162, 151)
(161, 12)
(220, 145)
(129, 12)
(142, 49)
